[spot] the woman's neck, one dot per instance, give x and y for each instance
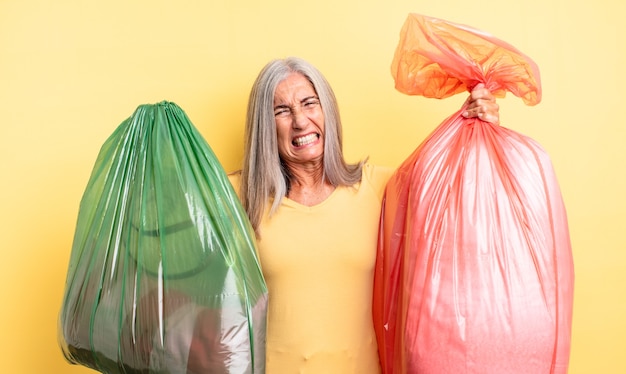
(308, 186)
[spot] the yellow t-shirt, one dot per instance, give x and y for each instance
(318, 263)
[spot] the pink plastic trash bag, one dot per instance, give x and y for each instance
(474, 271)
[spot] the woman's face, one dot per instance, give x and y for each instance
(299, 121)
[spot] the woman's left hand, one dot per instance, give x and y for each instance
(482, 104)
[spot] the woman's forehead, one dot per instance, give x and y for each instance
(295, 87)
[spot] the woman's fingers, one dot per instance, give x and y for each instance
(482, 104)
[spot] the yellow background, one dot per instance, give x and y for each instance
(71, 71)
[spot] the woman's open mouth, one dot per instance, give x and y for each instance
(304, 140)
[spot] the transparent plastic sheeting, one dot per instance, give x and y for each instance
(163, 275)
(474, 271)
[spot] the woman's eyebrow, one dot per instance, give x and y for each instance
(309, 98)
(281, 106)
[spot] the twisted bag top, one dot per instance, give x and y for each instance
(437, 59)
(474, 270)
(163, 275)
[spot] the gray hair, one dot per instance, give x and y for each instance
(263, 176)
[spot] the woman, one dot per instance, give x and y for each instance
(316, 218)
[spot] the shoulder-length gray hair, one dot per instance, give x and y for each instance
(263, 176)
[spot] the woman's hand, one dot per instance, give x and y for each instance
(482, 104)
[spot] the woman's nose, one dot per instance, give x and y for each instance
(299, 118)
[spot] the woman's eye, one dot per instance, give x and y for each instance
(310, 103)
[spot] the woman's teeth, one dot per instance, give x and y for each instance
(304, 140)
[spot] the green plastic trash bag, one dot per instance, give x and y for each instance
(163, 275)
